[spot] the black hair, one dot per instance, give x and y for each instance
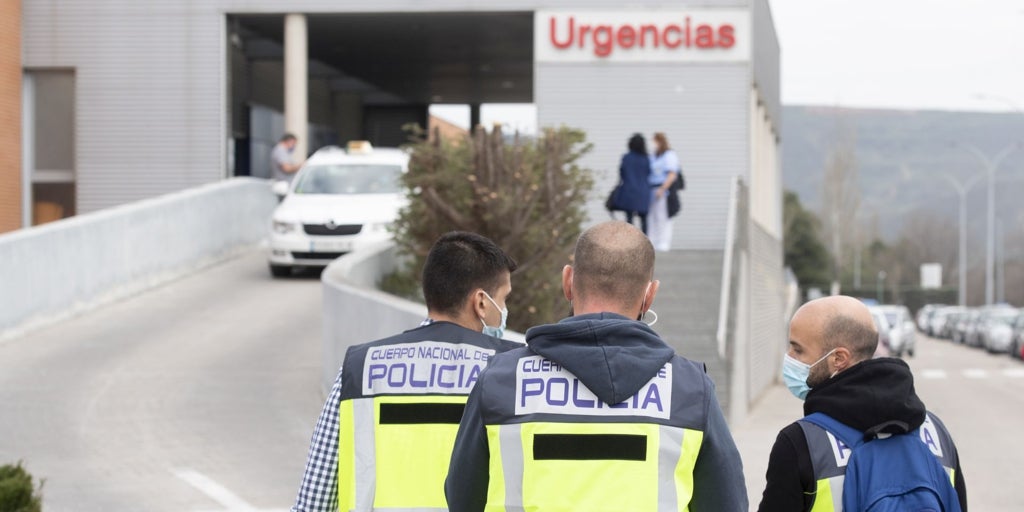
(458, 263)
(287, 137)
(637, 144)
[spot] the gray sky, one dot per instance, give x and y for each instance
(902, 54)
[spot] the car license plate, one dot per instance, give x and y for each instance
(330, 245)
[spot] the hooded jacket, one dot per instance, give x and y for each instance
(615, 358)
(868, 395)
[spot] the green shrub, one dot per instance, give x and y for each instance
(527, 195)
(17, 491)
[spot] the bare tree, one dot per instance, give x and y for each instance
(927, 238)
(840, 201)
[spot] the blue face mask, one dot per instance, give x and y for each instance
(795, 374)
(498, 331)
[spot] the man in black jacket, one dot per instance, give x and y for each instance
(832, 341)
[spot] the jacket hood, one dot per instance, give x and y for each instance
(612, 355)
(876, 394)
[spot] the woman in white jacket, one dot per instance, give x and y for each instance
(664, 170)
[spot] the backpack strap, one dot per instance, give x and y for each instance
(850, 436)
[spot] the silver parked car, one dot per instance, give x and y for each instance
(996, 329)
(902, 335)
(937, 320)
(924, 315)
(884, 332)
(961, 320)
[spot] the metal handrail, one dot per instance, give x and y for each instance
(730, 242)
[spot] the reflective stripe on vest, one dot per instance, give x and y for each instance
(393, 452)
(591, 466)
(829, 457)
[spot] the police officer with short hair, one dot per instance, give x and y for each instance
(385, 435)
(597, 413)
(829, 364)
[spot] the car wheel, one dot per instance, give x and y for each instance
(280, 270)
(910, 352)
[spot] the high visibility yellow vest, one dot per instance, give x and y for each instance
(591, 466)
(402, 399)
(562, 449)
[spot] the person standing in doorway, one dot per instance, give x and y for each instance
(664, 170)
(284, 167)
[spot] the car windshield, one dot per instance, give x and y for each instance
(350, 179)
(892, 317)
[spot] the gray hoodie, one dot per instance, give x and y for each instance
(615, 358)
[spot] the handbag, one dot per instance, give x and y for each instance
(674, 203)
(612, 203)
(679, 183)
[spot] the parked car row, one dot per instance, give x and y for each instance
(997, 329)
(896, 333)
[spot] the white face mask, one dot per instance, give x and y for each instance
(498, 331)
(649, 310)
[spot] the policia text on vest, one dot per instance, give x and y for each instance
(596, 414)
(401, 402)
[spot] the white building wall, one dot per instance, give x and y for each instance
(149, 92)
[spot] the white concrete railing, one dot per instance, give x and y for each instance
(355, 311)
(59, 269)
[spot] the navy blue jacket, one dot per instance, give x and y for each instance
(635, 194)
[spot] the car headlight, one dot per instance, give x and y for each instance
(283, 228)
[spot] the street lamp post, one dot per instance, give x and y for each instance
(991, 165)
(961, 256)
(1001, 263)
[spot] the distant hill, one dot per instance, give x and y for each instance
(902, 155)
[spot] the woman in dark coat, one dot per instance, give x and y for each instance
(634, 195)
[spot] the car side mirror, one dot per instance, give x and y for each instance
(280, 188)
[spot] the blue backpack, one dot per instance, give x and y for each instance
(893, 474)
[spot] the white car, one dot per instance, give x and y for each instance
(339, 200)
(902, 336)
(884, 348)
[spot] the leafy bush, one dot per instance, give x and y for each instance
(527, 195)
(17, 492)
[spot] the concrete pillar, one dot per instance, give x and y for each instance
(296, 77)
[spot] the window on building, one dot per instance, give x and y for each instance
(51, 100)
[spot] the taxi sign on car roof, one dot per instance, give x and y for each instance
(359, 147)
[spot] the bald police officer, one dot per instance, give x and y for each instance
(597, 413)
